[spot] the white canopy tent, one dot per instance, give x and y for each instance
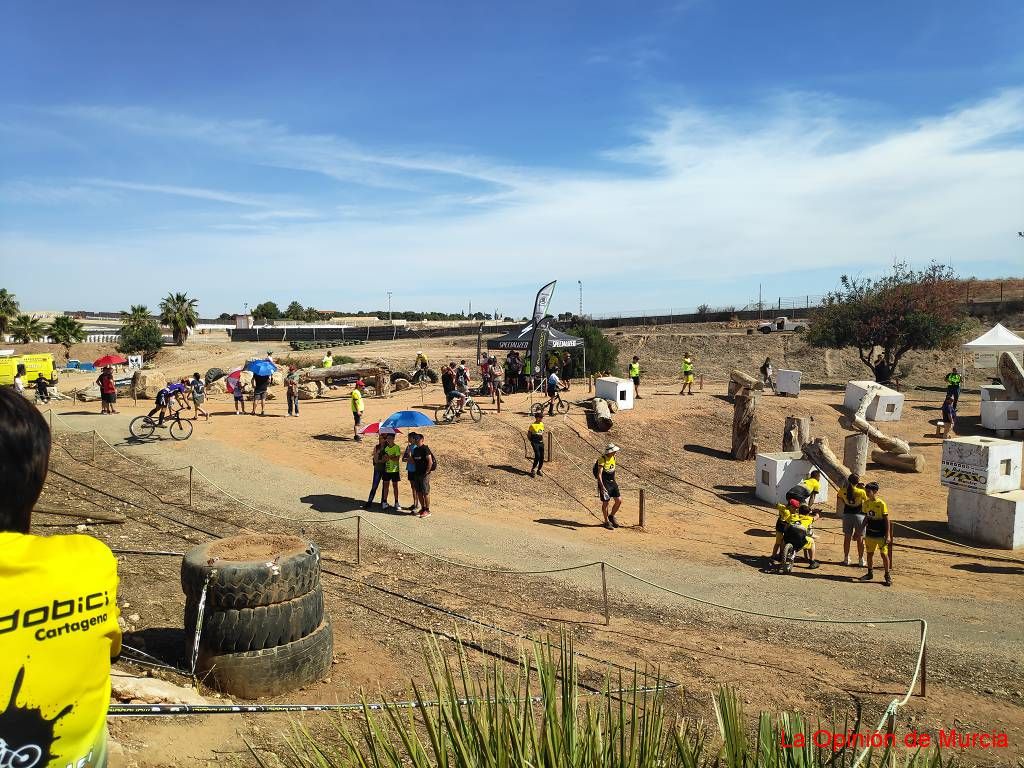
(987, 347)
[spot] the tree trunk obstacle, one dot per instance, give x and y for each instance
(897, 452)
(855, 452)
(379, 378)
(797, 432)
(1012, 375)
(745, 391)
(602, 415)
(818, 452)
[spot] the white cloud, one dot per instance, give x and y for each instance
(700, 196)
(169, 189)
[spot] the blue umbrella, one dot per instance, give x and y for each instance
(260, 367)
(407, 420)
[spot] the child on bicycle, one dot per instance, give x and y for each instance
(554, 384)
(163, 401)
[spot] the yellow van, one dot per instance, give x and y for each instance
(35, 366)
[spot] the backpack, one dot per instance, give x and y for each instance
(597, 469)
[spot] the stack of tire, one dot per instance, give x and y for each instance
(265, 631)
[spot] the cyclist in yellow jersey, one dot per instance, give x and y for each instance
(687, 371)
(878, 533)
(634, 374)
(535, 433)
(58, 615)
(357, 409)
(328, 360)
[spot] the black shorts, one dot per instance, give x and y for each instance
(357, 417)
(552, 391)
(392, 476)
(611, 490)
(420, 482)
(636, 381)
(108, 397)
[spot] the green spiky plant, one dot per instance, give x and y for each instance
(9, 309)
(67, 332)
(27, 328)
(180, 313)
(539, 715)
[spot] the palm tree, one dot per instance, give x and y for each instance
(136, 315)
(66, 331)
(8, 309)
(179, 312)
(25, 329)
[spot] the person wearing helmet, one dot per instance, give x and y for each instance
(607, 487)
(421, 361)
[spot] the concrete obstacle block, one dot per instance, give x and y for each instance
(775, 473)
(615, 390)
(886, 406)
(993, 392)
(996, 519)
(981, 464)
(787, 383)
(1002, 415)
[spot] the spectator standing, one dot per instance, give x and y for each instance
(356, 399)
(425, 466)
(687, 371)
(528, 373)
(878, 533)
(883, 373)
(535, 433)
(291, 391)
(259, 393)
(634, 374)
(328, 360)
(19, 383)
(607, 487)
(948, 415)
(392, 458)
(198, 397)
(238, 392)
(108, 390)
(768, 373)
(853, 499)
(513, 369)
(410, 471)
(495, 375)
(954, 380)
(50, 583)
(377, 459)
(568, 367)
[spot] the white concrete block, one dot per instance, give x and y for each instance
(776, 473)
(993, 392)
(996, 519)
(981, 464)
(1002, 414)
(787, 382)
(619, 391)
(886, 406)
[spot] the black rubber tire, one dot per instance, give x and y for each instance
(432, 376)
(249, 584)
(213, 374)
(474, 412)
(271, 671)
(180, 429)
(398, 375)
(253, 629)
(765, 330)
(142, 427)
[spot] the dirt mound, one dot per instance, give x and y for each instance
(260, 547)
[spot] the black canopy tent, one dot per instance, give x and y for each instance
(521, 340)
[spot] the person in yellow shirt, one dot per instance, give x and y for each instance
(687, 370)
(607, 487)
(852, 504)
(807, 490)
(535, 433)
(328, 361)
(356, 399)
(877, 533)
(793, 514)
(58, 615)
(634, 374)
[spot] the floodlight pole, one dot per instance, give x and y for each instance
(580, 283)
(389, 308)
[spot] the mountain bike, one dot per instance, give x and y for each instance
(559, 404)
(450, 413)
(143, 427)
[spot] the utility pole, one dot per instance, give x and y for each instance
(389, 309)
(759, 304)
(580, 282)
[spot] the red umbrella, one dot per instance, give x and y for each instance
(231, 380)
(374, 428)
(111, 360)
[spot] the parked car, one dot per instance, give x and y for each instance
(782, 324)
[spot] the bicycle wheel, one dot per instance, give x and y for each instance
(474, 412)
(142, 427)
(561, 406)
(444, 415)
(181, 429)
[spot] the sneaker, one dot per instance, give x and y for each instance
(862, 562)
(814, 564)
(540, 473)
(846, 561)
(533, 473)
(868, 576)
(613, 521)
(609, 526)
(367, 505)
(384, 505)
(424, 513)
(888, 580)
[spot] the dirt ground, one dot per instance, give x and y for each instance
(706, 536)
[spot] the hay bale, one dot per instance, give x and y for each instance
(146, 383)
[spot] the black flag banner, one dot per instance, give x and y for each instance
(543, 301)
(540, 327)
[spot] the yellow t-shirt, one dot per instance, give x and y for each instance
(860, 496)
(876, 511)
(357, 401)
(327, 362)
(687, 366)
(634, 370)
(392, 457)
(58, 632)
(811, 485)
(536, 428)
(607, 464)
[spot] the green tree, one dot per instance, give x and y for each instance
(8, 310)
(601, 354)
(25, 328)
(904, 310)
(311, 315)
(224, 317)
(67, 332)
(295, 311)
(178, 311)
(139, 332)
(268, 310)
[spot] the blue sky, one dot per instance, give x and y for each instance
(667, 154)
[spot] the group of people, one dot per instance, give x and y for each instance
(42, 384)
(181, 393)
(865, 517)
(387, 459)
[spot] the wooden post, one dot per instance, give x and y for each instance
(924, 662)
(604, 588)
(820, 455)
(590, 383)
(642, 515)
(744, 425)
(796, 433)
(359, 539)
(855, 453)
(890, 729)
(51, 419)
(190, 468)
(701, 387)
(92, 439)
(499, 399)
(551, 445)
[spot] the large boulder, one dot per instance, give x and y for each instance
(277, 379)
(245, 377)
(146, 383)
(216, 387)
(308, 391)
